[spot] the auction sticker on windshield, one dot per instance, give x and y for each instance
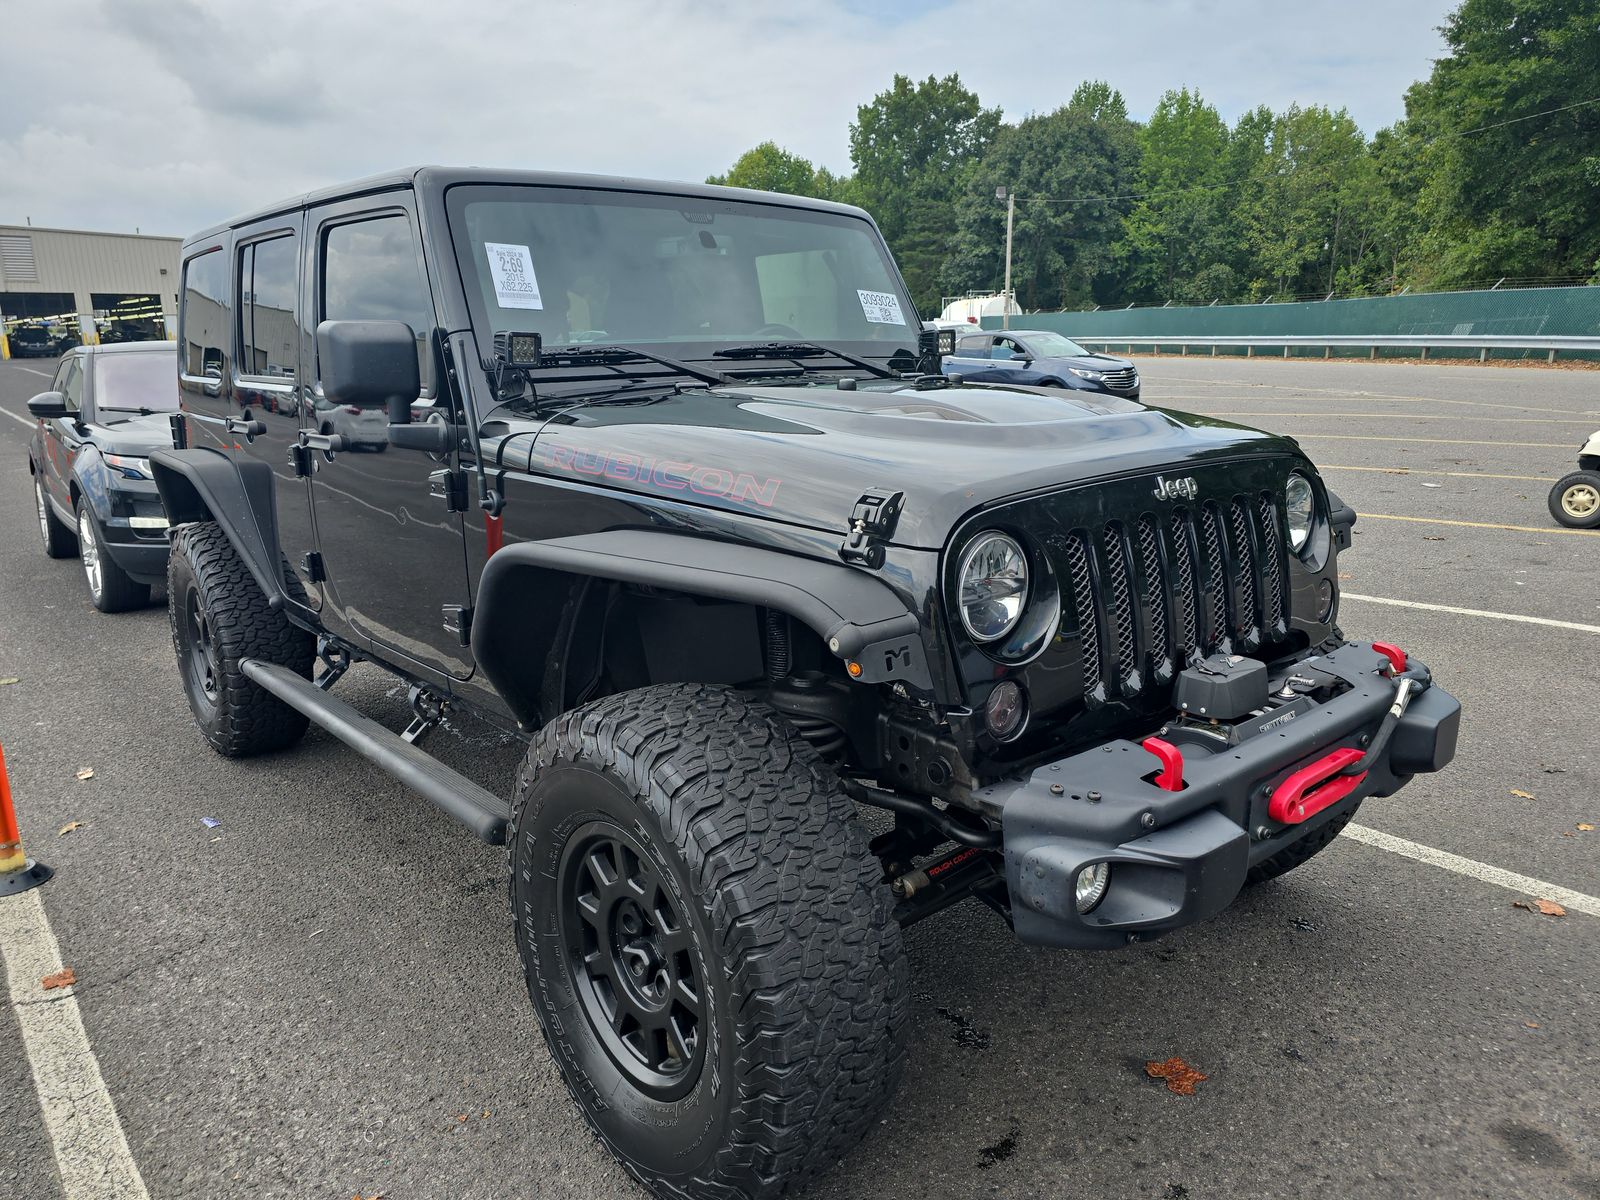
(515, 285)
(882, 308)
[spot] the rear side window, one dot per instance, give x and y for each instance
(268, 284)
(370, 272)
(202, 322)
(973, 345)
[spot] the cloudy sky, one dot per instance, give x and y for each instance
(167, 115)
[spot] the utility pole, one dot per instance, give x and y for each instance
(1006, 194)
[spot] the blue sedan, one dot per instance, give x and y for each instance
(1042, 359)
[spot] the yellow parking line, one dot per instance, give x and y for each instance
(1372, 437)
(1366, 516)
(1585, 422)
(1452, 474)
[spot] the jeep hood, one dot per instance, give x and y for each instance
(803, 455)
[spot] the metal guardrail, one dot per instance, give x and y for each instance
(1482, 343)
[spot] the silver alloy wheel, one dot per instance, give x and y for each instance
(90, 547)
(44, 510)
(1580, 500)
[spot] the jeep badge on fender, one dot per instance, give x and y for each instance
(673, 487)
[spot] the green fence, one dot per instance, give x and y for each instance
(1565, 311)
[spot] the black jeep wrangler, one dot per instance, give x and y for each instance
(675, 486)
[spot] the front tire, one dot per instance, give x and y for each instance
(110, 587)
(707, 940)
(1575, 500)
(220, 617)
(1302, 851)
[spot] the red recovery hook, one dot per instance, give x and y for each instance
(1311, 789)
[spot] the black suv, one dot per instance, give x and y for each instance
(675, 487)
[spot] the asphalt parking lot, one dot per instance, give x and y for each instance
(319, 996)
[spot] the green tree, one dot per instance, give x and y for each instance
(770, 168)
(1072, 170)
(1177, 232)
(912, 147)
(1510, 184)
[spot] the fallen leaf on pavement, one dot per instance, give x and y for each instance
(9, 680)
(1522, 795)
(59, 979)
(1530, 1024)
(1586, 826)
(1180, 1076)
(1548, 907)
(69, 827)
(86, 773)
(1432, 539)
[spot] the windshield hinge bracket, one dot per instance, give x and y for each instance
(872, 523)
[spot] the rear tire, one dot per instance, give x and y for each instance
(1575, 500)
(1302, 851)
(59, 540)
(220, 617)
(110, 587)
(729, 1011)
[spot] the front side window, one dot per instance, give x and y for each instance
(585, 266)
(72, 385)
(268, 284)
(203, 318)
(370, 272)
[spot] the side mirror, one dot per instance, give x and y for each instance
(370, 364)
(48, 404)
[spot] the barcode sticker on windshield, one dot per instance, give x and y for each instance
(882, 308)
(515, 285)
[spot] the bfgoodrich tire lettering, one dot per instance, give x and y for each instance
(788, 934)
(220, 617)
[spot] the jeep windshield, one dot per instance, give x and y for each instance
(686, 274)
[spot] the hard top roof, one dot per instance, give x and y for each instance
(438, 178)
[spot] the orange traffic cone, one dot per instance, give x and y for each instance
(18, 872)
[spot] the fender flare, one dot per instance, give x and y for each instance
(859, 618)
(202, 484)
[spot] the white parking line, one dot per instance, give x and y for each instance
(15, 417)
(34, 371)
(92, 1154)
(1575, 626)
(1526, 884)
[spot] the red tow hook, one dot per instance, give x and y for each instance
(1395, 655)
(1299, 796)
(1170, 777)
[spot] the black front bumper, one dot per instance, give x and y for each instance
(1181, 857)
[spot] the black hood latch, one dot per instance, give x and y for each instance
(872, 523)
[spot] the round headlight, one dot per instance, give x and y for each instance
(1091, 885)
(993, 583)
(1298, 505)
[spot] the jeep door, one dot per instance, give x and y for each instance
(393, 552)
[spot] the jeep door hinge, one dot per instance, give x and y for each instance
(449, 485)
(872, 523)
(311, 564)
(458, 620)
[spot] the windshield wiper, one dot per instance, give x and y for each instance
(605, 355)
(143, 412)
(799, 350)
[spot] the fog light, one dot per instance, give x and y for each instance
(1007, 711)
(1091, 885)
(1325, 597)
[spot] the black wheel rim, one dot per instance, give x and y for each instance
(631, 952)
(202, 647)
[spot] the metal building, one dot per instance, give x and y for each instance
(61, 288)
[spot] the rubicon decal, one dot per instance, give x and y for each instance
(670, 475)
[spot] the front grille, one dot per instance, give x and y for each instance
(1153, 596)
(1123, 380)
